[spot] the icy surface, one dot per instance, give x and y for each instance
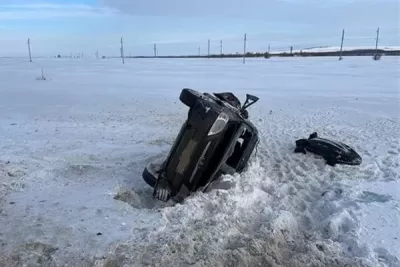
(74, 146)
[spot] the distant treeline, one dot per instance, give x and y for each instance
(355, 52)
(237, 55)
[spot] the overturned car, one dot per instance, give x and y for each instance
(216, 138)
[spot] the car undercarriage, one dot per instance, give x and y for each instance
(217, 138)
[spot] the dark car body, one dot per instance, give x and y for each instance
(332, 151)
(217, 138)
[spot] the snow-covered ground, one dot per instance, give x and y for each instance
(73, 147)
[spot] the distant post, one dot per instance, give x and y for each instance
(244, 48)
(341, 46)
(267, 55)
(199, 51)
(122, 51)
(97, 54)
(29, 49)
(377, 38)
(291, 50)
(155, 50)
(221, 49)
(376, 56)
(208, 53)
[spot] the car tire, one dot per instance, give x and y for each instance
(189, 97)
(149, 174)
(149, 178)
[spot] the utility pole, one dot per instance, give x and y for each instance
(376, 56)
(221, 49)
(244, 48)
(208, 53)
(341, 46)
(155, 50)
(376, 43)
(199, 51)
(122, 51)
(29, 49)
(268, 52)
(377, 38)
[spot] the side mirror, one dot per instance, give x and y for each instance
(250, 100)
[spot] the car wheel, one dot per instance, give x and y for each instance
(189, 96)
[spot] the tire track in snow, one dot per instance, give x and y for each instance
(309, 178)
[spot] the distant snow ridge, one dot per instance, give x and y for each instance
(337, 48)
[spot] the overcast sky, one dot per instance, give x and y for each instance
(182, 26)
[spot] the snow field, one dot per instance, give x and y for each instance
(75, 146)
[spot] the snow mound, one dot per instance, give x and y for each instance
(285, 210)
(246, 226)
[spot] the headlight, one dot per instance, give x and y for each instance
(219, 124)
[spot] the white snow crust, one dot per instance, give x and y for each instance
(73, 148)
